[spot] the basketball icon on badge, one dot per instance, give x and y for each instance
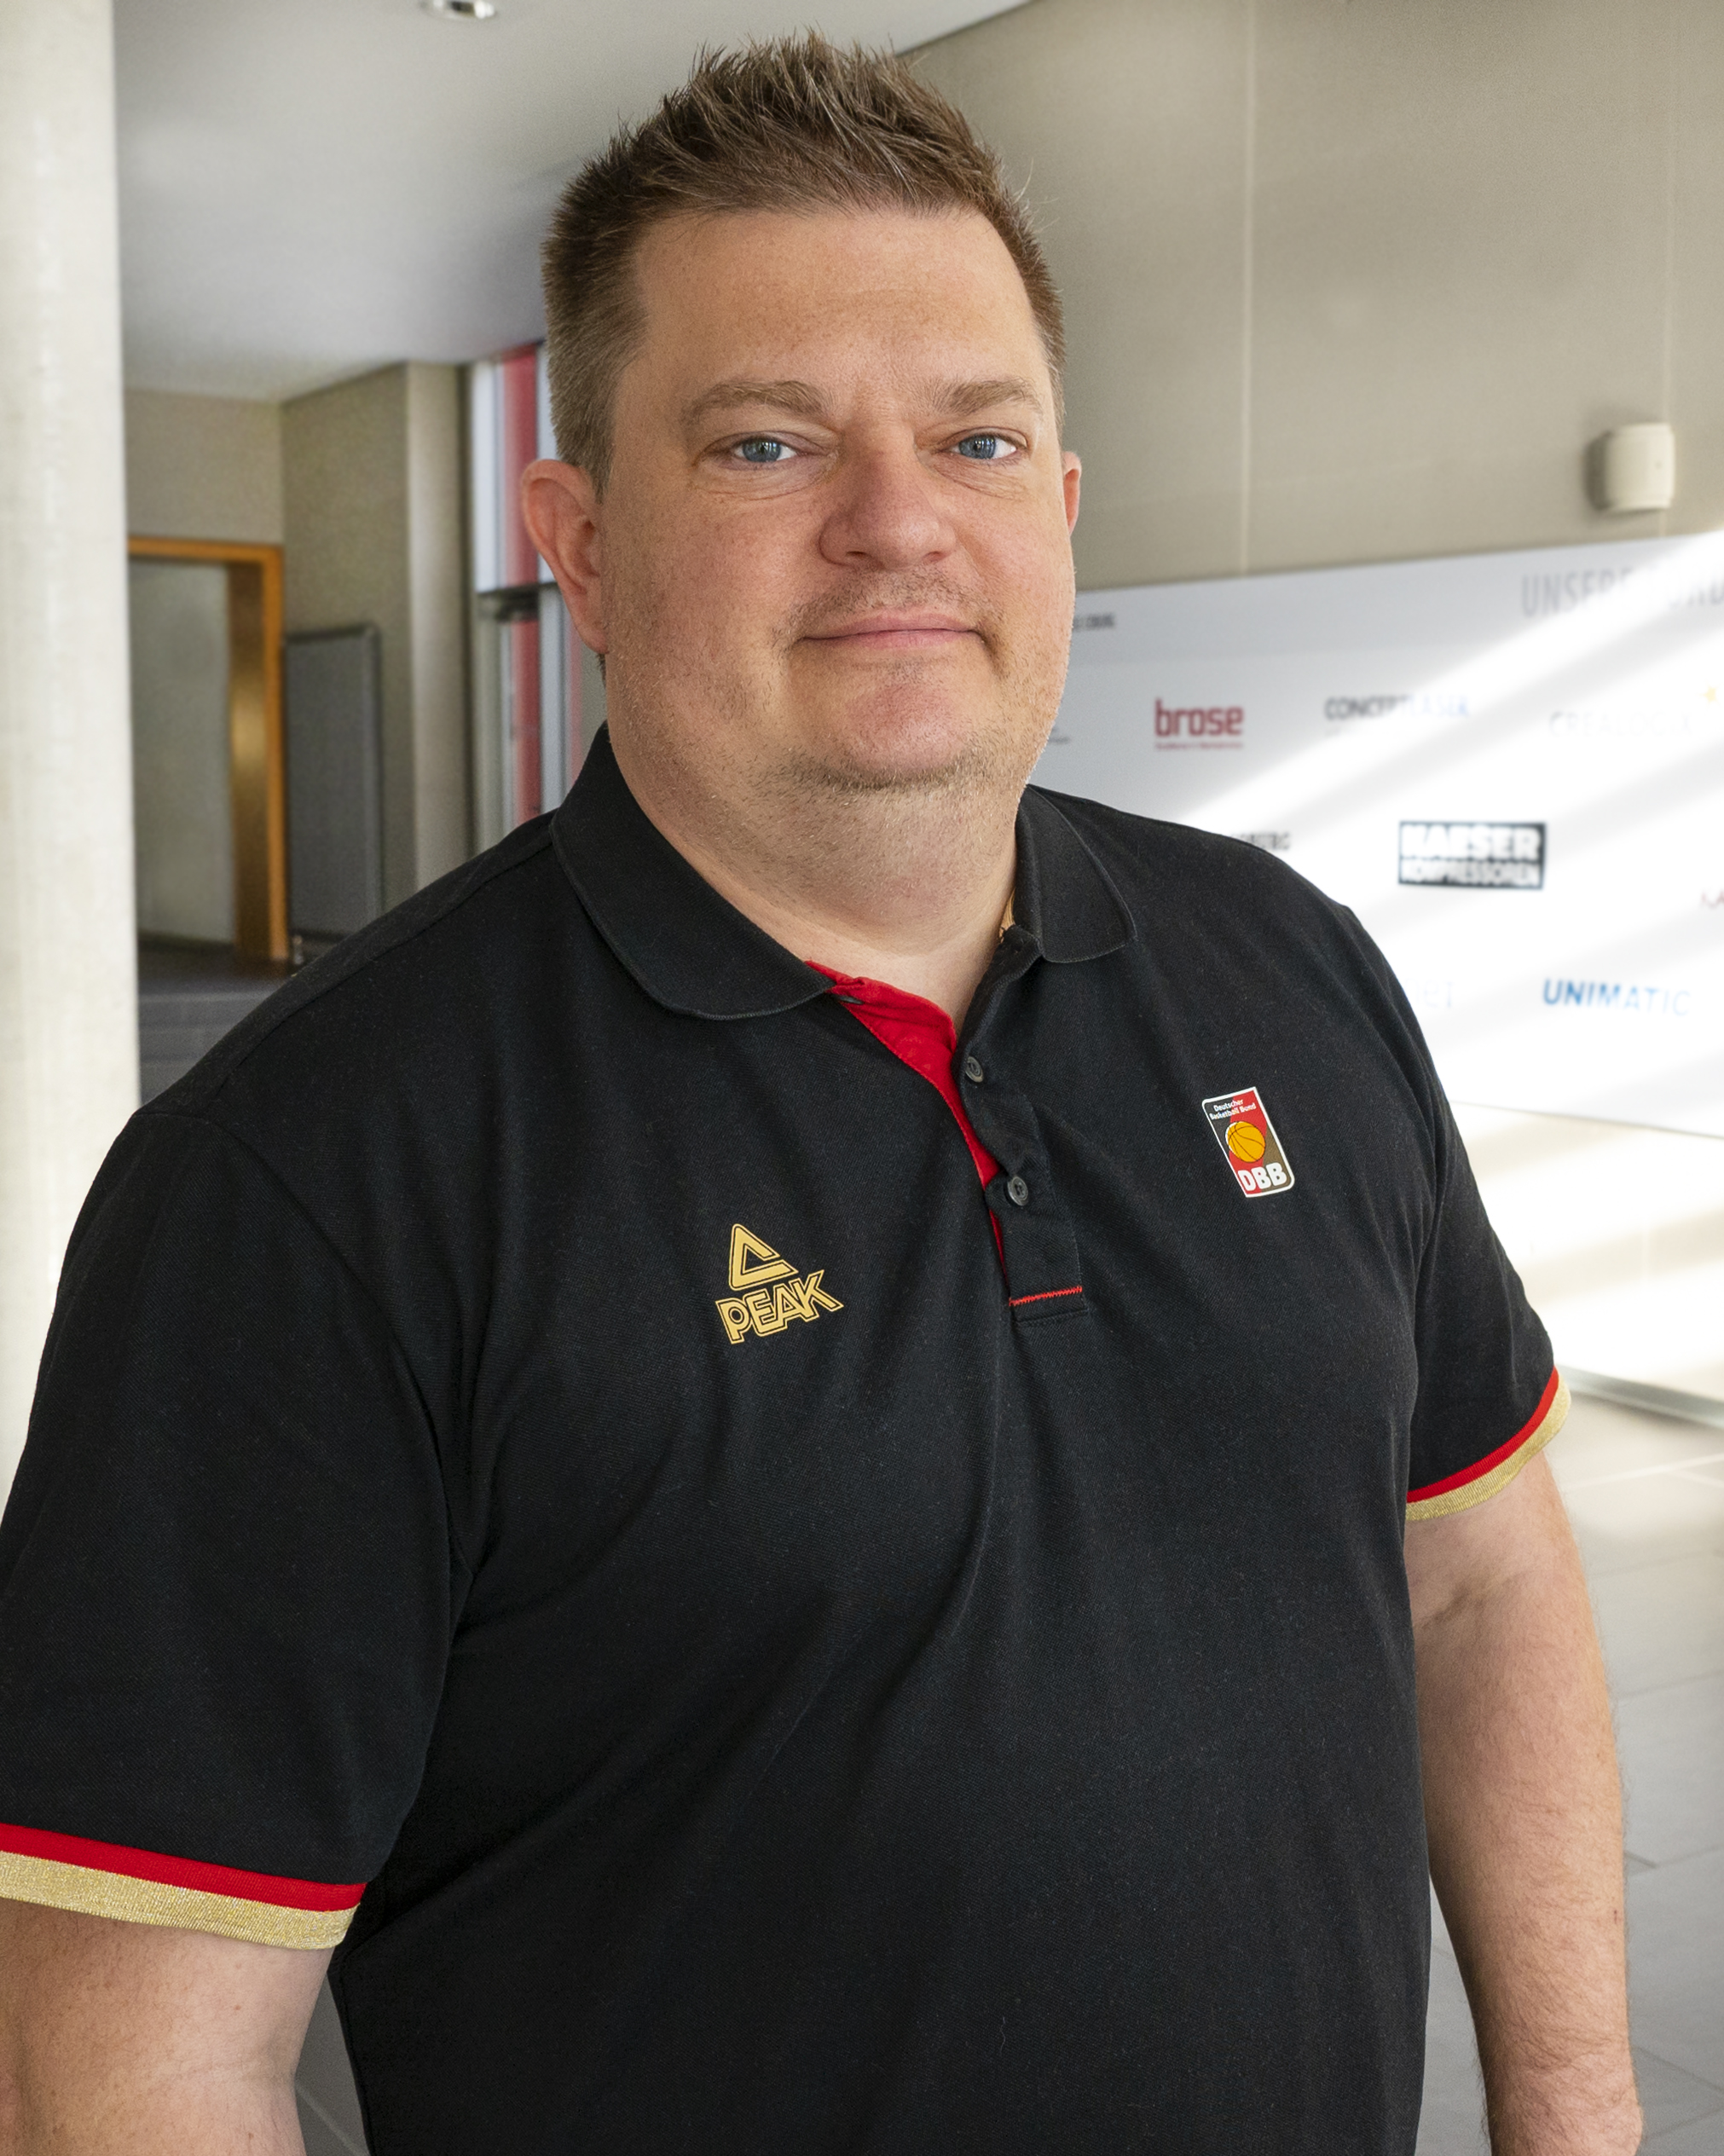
(1249, 1141)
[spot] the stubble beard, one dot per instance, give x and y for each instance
(820, 811)
(992, 759)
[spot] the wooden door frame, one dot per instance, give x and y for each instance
(257, 762)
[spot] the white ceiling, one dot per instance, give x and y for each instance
(312, 188)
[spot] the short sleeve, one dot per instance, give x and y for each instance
(1488, 1396)
(225, 1568)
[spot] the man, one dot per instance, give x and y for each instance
(700, 1416)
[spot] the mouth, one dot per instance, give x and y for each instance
(897, 631)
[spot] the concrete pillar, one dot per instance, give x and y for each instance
(68, 990)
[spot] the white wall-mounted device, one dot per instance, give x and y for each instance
(1634, 468)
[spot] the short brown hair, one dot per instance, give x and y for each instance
(795, 124)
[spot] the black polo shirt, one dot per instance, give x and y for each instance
(800, 1648)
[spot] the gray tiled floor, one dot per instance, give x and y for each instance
(1646, 1497)
(188, 996)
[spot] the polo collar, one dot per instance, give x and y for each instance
(1064, 901)
(692, 950)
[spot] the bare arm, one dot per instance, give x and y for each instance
(1524, 1811)
(123, 2039)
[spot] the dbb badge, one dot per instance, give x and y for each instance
(1246, 1135)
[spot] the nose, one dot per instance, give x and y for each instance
(887, 512)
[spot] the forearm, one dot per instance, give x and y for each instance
(53, 2114)
(121, 2039)
(1523, 1814)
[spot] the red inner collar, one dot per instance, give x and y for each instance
(918, 1033)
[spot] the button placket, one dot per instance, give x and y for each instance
(1037, 1241)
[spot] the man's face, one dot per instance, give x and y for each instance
(833, 552)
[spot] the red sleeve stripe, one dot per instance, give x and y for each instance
(1047, 1295)
(1484, 1477)
(176, 1871)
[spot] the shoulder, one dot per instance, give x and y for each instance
(380, 1097)
(382, 1083)
(1196, 872)
(417, 975)
(1229, 928)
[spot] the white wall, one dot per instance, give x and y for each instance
(1348, 280)
(1618, 1233)
(181, 788)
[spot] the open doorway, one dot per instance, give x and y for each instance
(209, 792)
(209, 782)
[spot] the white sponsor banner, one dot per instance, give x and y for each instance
(1510, 765)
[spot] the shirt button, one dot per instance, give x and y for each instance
(972, 1070)
(1018, 1191)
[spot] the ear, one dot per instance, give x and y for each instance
(1071, 474)
(561, 510)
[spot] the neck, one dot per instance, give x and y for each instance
(908, 886)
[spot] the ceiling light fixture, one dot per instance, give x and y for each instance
(462, 10)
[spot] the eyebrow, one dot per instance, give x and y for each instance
(805, 400)
(800, 397)
(975, 396)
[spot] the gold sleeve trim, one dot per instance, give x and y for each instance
(1500, 1476)
(144, 1901)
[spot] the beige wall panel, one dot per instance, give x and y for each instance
(437, 597)
(1127, 122)
(1460, 270)
(1478, 236)
(372, 487)
(345, 489)
(203, 467)
(1696, 312)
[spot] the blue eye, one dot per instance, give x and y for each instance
(985, 448)
(763, 448)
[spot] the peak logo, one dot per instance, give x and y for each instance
(767, 1294)
(1200, 725)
